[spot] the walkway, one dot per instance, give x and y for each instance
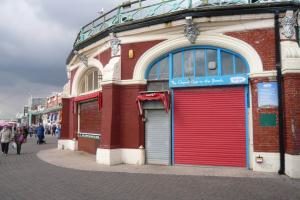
(28, 177)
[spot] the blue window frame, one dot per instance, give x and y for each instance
(199, 66)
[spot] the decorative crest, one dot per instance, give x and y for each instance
(190, 30)
(82, 58)
(288, 24)
(114, 43)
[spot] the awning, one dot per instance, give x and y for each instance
(87, 97)
(162, 96)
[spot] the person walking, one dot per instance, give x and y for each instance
(19, 139)
(40, 134)
(58, 130)
(53, 129)
(5, 137)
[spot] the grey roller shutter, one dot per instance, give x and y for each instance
(158, 136)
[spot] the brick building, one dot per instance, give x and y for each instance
(189, 82)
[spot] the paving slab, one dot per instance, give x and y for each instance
(84, 161)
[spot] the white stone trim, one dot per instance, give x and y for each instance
(81, 70)
(223, 41)
(292, 165)
(271, 73)
(271, 162)
(112, 70)
(125, 82)
(119, 156)
(67, 144)
(290, 56)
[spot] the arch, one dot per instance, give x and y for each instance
(81, 71)
(222, 41)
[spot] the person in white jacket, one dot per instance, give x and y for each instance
(5, 137)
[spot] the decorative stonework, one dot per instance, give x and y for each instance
(83, 58)
(112, 70)
(190, 30)
(288, 24)
(115, 44)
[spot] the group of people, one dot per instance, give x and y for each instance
(17, 136)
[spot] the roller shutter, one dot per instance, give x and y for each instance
(158, 137)
(209, 126)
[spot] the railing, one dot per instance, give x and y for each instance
(141, 9)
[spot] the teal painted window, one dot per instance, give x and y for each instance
(197, 62)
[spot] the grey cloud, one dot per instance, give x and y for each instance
(35, 39)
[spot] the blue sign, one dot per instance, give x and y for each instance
(209, 81)
(267, 94)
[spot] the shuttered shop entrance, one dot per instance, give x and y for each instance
(209, 126)
(90, 122)
(158, 136)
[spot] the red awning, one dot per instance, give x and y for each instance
(153, 96)
(95, 95)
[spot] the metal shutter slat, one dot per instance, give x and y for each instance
(158, 137)
(209, 126)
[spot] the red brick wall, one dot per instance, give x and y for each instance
(265, 138)
(73, 72)
(263, 41)
(67, 119)
(131, 126)
(292, 112)
(139, 49)
(88, 145)
(122, 125)
(104, 57)
(90, 117)
(110, 117)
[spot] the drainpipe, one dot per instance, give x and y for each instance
(280, 96)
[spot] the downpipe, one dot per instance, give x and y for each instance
(281, 138)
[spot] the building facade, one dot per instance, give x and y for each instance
(187, 83)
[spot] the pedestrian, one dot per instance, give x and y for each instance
(53, 129)
(5, 137)
(30, 130)
(19, 139)
(25, 133)
(40, 134)
(58, 130)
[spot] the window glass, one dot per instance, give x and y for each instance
(227, 63)
(164, 69)
(200, 62)
(188, 63)
(158, 85)
(90, 81)
(153, 72)
(96, 80)
(177, 69)
(211, 62)
(240, 66)
(82, 88)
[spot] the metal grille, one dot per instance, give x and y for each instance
(158, 137)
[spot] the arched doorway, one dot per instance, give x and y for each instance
(209, 87)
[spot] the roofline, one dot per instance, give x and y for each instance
(195, 12)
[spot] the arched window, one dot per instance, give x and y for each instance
(89, 81)
(199, 66)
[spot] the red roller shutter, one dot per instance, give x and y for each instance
(209, 126)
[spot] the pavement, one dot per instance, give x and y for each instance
(42, 172)
(87, 162)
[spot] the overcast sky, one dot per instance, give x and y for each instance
(36, 37)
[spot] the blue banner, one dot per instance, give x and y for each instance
(209, 81)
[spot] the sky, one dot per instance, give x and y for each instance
(36, 37)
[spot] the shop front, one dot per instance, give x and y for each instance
(209, 87)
